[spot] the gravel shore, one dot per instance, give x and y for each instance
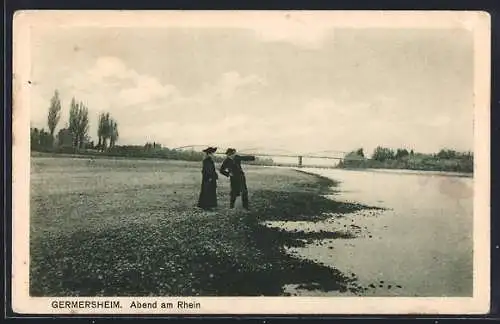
(130, 228)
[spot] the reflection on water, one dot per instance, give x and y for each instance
(420, 246)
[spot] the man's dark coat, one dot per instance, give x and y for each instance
(232, 168)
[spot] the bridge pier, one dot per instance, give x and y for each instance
(300, 161)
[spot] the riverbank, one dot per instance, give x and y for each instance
(139, 153)
(118, 227)
(186, 157)
(463, 163)
(409, 172)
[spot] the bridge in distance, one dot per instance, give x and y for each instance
(262, 152)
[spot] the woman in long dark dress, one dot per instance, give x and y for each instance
(208, 194)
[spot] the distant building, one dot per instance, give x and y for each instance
(65, 138)
(152, 146)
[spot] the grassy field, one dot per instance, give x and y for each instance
(116, 227)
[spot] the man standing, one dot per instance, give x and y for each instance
(231, 167)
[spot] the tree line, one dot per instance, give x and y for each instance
(402, 158)
(75, 136)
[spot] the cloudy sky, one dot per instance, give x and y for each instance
(292, 89)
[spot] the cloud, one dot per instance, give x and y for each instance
(147, 89)
(134, 98)
(310, 126)
(117, 85)
(122, 86)
(307, 127)
(208, 115)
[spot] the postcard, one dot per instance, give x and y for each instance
(251, 162)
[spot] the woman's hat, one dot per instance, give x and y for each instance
(210, 149)
(230, 151)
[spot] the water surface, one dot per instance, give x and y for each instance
(421, 245)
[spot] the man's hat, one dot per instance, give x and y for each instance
(230, 151)
(210, 150)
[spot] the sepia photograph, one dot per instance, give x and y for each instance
(251, 162)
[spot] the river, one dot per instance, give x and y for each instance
(420, 244)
